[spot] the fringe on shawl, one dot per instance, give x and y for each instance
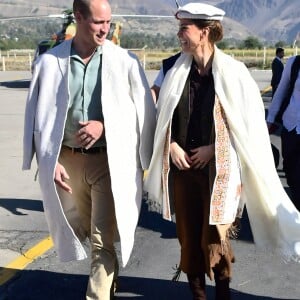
(293, 258)
(177, 273)
(234, 229)
(286, 252)
(153, 206)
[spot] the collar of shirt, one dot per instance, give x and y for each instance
(74, 54)
(194, 69)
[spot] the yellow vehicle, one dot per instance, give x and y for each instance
(68, 31)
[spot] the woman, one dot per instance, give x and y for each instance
(212, 137)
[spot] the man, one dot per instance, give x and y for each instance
(166, 65)
(287, 97)
(90, 121)
(277, 68)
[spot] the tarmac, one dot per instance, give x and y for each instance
(40, 276)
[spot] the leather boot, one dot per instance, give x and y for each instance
(222, 289)
(197, 286)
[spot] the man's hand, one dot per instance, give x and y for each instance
(202, 155)
(179, 157)
(60, 175)
(90, 132)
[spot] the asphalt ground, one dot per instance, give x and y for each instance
(30, 270)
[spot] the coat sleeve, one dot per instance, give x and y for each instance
(281, 91)
(29, 119)
(146, 112)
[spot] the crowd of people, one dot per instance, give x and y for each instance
(95, 126)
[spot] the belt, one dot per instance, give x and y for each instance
(93, 150)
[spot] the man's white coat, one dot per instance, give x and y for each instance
(129, 120)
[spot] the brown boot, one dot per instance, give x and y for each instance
(197, 286)
(222, 289)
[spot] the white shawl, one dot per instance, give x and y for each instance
(274, 220)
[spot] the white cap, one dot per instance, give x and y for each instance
(200, 11)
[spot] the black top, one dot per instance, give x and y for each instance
(198, 120)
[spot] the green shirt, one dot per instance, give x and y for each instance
(85, 95)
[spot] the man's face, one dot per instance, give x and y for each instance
(93, 30)
(281, 54)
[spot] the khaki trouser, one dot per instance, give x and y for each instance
(91, 191)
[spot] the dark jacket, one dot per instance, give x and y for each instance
(277, 68)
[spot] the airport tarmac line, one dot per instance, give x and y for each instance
(20, 263)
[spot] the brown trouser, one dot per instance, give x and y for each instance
(201, 249)
(91, 191)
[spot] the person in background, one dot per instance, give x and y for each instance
(90, 121)
(277, 68)
(289, 90)
(212, 154)
(166, 65)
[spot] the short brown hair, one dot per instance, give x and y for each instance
(83, 7)
(216, 29)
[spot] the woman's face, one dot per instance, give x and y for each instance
(190, 36)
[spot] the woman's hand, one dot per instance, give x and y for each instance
(201, 156)
(179, 157)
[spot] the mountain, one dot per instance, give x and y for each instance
(273, 20)
(232, 29)
(270, 20)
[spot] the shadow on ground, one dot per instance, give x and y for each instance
(13, 205)
(16, 84)
(154, 221)
(37, 285)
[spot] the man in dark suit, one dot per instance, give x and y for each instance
(277, 68)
